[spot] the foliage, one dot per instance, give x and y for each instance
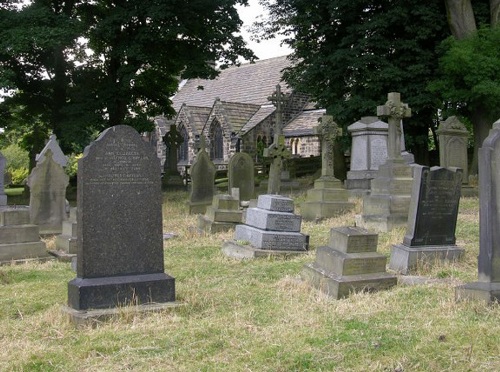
(470, 74)
(72, 166)
(18, 175)
(15, 156)
(79, 66)
(348, 55)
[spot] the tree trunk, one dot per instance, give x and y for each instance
(494, 12)
(481, 126)
(460, 18)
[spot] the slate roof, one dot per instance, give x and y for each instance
(198, 116)
(258, 117)
(303, 124)
(238, 114)
(250, 83)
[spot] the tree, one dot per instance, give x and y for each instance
(469, 83)
(349, 54)
(101, 63)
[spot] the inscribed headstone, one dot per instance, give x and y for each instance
(202, 182)
(453, 137)
(120, 239)
(48, 182)
(241, 175)
(432, 219)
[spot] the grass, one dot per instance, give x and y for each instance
(255, 315)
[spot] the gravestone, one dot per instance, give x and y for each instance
(120, 240)
(453, 138)
(368, 152)
(278, 150)
(48, 182)
(172, 139)
(241, 175)
(3, 196)
(224, 214)
(350, 263)
(487, 288)
(19, 239)
(57, 155)
(66, 246)
(328, 198)
(202, 181)
(271, 228)
(389, 201)
(432, 219)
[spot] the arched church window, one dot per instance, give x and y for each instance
(183, 148)
(216, 141)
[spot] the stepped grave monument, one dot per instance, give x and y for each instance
(271, 228)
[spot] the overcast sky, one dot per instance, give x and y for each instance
(265, 49)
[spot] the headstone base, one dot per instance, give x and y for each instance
(23, 251)
(342, 286)
(198, 208)
(358, 184)
(406, 259)
(478, 291)
(381, 223)
(207, 226)
(117, 291)
(244, 251)
(94, 317)
(313, 211)
(172, 180)
(271, 240)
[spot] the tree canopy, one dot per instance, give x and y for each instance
(349, 54)
(81, 66)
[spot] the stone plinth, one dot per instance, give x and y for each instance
(350, 263)
(327, 199)
(19, 239)
(271, 228)
(432, 219)
(388, 204)
(222, 215)
(66, 246)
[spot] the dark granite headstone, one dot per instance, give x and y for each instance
(432, 219)
(487, 288)
(120, 245)
(241, 175)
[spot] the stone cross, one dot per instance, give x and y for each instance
(327, 131)
(173, 140)
(395, 111)
(277, 151)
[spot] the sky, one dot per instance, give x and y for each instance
(267, 48)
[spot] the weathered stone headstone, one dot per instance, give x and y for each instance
(202, 182)
(487, 288)
(172, 139)
(271, 228)
(432, 219)
(241, 175)
(222, 215)
(48, 182)
(388, 203)
(3, 196)
(120, 239)
(278, 150)
(57, 155)
(368, 151)
(453, 137)
(328, 198)
(350, 263)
